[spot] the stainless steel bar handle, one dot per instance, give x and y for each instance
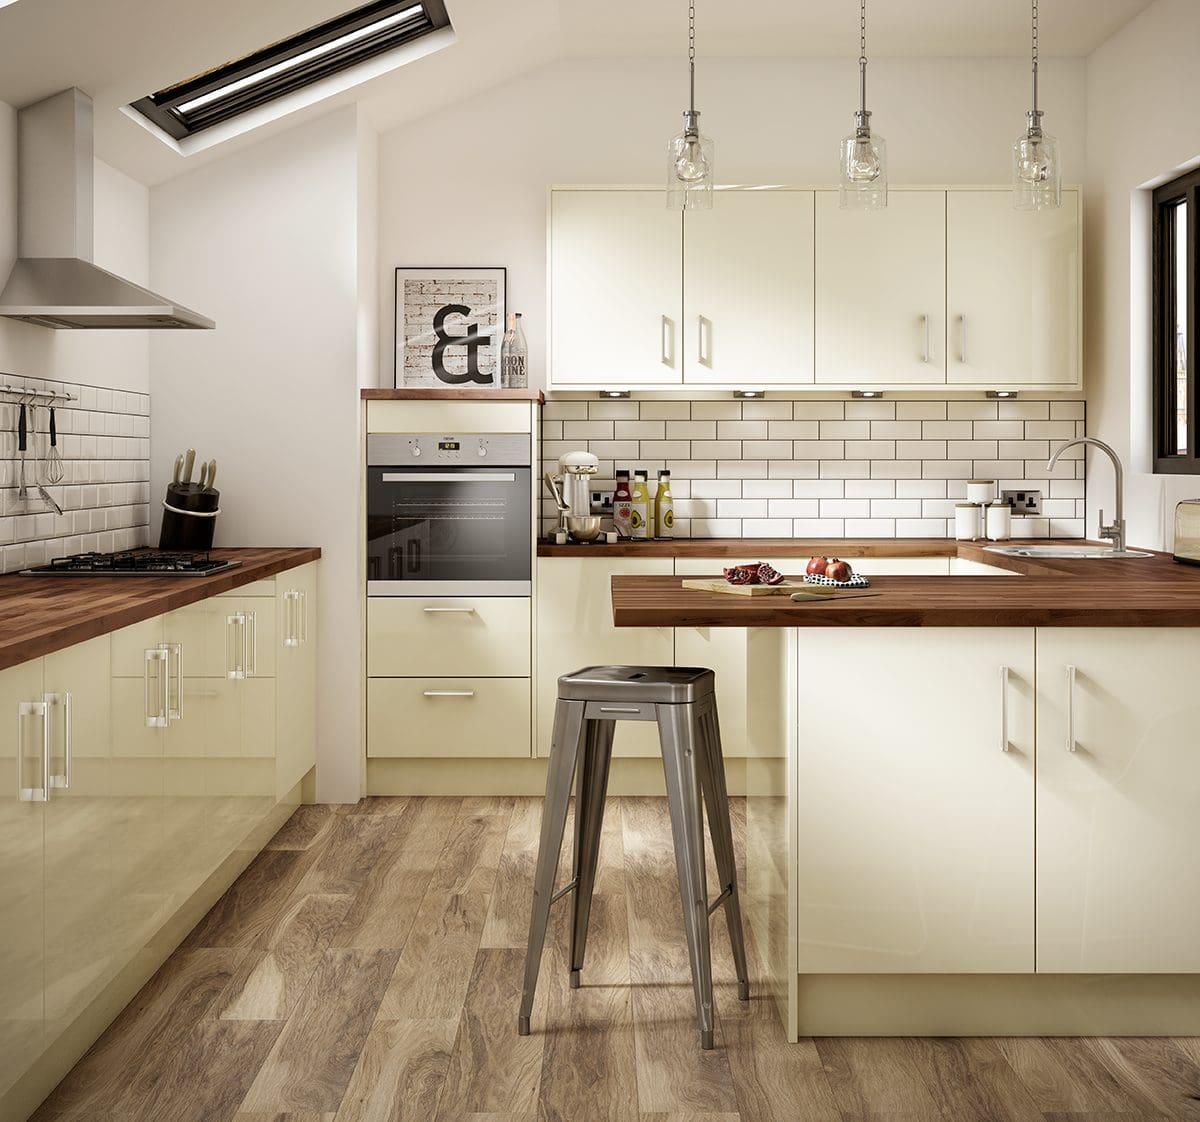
(704, 342)
(435, 611)
(174, 710)
(25, 710)
(250, 660)
(1004, 709)
(962, 348)
(61, 781)
(156, 717)
(1071, 743)
(291, 622)
(448, 693)
(303, 615)
(925, 321)
(235, 668)
(449, 477)
(619, 709)
(668, 341)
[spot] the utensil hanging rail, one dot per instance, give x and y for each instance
(32, 397)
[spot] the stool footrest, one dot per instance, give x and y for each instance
(720, 899)
(570, 886)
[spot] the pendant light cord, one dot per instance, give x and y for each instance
(1035, 55)
(862, 55)
(692, 56)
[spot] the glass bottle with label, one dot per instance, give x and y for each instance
(514, 355)
(622, 506)
(639, 513)
(664, 507)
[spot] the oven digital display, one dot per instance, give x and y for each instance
(448, 446)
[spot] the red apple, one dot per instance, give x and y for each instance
(838, 570)
(816, 566)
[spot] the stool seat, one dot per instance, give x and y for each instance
(682, 701)
(648, 685)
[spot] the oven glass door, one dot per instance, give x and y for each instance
(449, 530)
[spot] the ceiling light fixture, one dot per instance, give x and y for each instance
(1037, 170)
(864, 153)
(690, 154)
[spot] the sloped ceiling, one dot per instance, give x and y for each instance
(119, 50)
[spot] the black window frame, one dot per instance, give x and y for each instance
(1184, 190)
(163, 108)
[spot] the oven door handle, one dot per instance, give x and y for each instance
(449, 477)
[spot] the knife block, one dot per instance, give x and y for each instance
(189, 518)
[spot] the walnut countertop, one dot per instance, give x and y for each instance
(46, 614)
(1139, 592)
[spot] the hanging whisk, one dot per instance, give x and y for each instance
(54, 464)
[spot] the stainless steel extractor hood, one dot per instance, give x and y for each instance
(54, 283)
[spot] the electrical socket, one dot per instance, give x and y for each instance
(602, 502)
(1023, 502)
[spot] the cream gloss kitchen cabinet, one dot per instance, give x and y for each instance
(295, 676)
(1118, 787)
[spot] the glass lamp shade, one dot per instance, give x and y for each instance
(863, 171)
(690, 172)
(1037, 171)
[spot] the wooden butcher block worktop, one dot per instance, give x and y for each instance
(1140, 592)
(45, 614)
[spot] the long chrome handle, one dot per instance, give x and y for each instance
(464, 611)
(448, 693)
(1004, 709)
(303, 615)
(1071, 745)
(174, 709)
(668, 341)
(619, 709)
(235, 668)
(925, 321)
(962, 348)
(158, 716)
(61, 780)
(291, 621)
(704, 342)
(250, 659)
(25, 710)
(449, 477)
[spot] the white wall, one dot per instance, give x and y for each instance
(266, 242)
(1142, 128)
(113, 359)
(467, 185)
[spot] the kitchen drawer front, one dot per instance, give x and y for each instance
(264, 587)
(450, 416)
(484, 636)
(449, 718)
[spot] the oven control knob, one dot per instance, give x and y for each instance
(416, 449)
(482, 450)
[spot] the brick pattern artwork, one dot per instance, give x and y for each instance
(806, 468)
(449, 330)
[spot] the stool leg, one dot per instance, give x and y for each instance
(716, 802)
(680, 764)
(564, 751)
(589, 818)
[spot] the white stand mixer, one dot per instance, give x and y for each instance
(572, 491)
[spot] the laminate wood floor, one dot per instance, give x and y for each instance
(367, 968)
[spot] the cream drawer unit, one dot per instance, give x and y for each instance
(448, 718)
(264, 587)
(483, 637)
(451, 416)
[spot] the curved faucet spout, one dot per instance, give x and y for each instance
(1116, 532)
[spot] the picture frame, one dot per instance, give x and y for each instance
(449, 325)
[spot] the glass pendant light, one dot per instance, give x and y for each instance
(864, 153)
(1037, 170)
(690, 154)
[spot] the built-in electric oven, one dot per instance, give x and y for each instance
(449, 515)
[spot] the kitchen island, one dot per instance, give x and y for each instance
(971, 801)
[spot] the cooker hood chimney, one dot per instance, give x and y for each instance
(54, 283)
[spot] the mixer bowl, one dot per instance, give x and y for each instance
(583, 528)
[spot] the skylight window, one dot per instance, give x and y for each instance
(237, 87)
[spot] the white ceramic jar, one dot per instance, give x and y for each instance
(968, 523)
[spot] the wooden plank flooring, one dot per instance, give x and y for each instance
(367, 968)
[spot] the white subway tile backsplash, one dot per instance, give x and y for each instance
(740, 468)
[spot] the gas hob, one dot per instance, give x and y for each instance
(132, 563)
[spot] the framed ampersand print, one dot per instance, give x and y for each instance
(449, 325)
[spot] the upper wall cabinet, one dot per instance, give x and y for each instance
(881, 291)
(616, 289)
(946, 288)
(748, 290)
(1012, 291)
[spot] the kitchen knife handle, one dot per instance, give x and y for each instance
(212, 473)
(189, 462)
(178, 468)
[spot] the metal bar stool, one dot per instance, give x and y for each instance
(682, 701)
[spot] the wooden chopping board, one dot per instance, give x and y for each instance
(785, 589)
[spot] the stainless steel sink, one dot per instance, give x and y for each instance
(1079, 552)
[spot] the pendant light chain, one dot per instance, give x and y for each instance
(1035, 55)
(862, 55)
(692, 55)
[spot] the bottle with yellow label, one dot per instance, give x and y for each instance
(639, 508)
(664, 507)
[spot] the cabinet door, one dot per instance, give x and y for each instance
(575, 629)
(616, 289)
(1012, 291)
(22, 875)
(915, 828)
(80, 904)
(881, 291)
(1117, 829)
(748, 289)
(296, 676)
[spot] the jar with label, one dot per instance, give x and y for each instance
(664, 507)
(639, 508)
(968, 525)
(622, 506)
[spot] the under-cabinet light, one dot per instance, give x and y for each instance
(614, 393)
(868, 394)
(1002, 395)
(749, 394)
